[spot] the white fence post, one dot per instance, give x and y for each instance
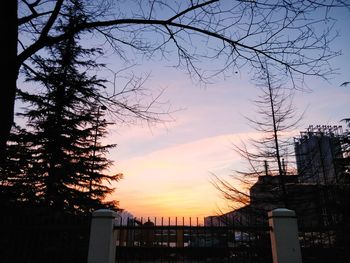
(102, 242)
(284, 236)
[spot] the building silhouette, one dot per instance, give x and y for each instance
(313, 192)
(318, 152)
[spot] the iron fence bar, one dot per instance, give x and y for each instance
(187, 227)
(183, 239)
(168, 231)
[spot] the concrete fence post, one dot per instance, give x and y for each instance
(284, 236)
(102, 239)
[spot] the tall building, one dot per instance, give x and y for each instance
(318, 150)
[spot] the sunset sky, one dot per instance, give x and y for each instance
(168, 167)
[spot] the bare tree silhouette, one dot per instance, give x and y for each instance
(267, 155)
(230, 33)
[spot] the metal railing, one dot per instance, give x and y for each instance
(166, 241)
(44, 239)
(323, 244)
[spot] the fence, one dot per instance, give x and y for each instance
(162, 241)
(43, 239)
(51, 238)
(167, 243)
(325, 244)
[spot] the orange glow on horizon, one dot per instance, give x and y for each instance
(175, 181)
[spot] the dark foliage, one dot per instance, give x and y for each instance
(58, 160)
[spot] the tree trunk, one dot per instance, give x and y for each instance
(9, 71)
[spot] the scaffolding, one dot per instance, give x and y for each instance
(320, 130)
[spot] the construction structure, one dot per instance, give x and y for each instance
(322, 159)
(319, 151)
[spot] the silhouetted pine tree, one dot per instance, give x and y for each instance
(17, 184)
(64, 162)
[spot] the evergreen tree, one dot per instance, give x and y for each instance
(17, 186)
(67, 164)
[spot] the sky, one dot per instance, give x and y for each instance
(168, 167)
